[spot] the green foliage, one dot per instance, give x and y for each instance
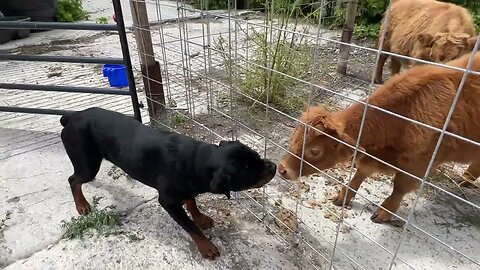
(102, 20)
(178, 119)
(371, 11)
(70, 11)
(272, 55)
(104, 221)
(367, 30)
(472, 5)
(476, 20)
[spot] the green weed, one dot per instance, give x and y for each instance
(178, 119)
(103, 221)
(102, 20)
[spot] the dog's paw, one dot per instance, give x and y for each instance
(83, 208)
(204, 222)
(208, 250)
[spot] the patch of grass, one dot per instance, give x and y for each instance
(178, 119)
(103, 221)
(70, 11)
(102, 20)
(367, 30)
(3, 223)
(273, 55)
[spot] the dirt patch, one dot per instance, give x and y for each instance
(60, 45)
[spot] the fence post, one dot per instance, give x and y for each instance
(347, 36)
(151, 72)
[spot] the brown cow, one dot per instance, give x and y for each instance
(425, 29)
(423, 93)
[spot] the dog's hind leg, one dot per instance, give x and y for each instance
(86, 159)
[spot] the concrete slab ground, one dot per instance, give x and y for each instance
(35, 190)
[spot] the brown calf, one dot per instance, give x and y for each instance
(425, 29)
(423, 93)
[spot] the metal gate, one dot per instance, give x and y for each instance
(125, 60)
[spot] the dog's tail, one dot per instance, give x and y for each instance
(65, 119)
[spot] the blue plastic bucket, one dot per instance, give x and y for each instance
(116, 74)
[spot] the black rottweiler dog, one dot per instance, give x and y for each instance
(177, 166)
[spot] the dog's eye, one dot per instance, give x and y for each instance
(314, 152)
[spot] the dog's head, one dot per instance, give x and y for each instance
(238, 167)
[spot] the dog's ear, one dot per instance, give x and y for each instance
(223, 142)
(220, 182)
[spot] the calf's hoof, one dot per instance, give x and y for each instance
(383, 217)
(378, 81)
(338, 201)
(466, 183)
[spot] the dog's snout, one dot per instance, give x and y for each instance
(272, 166)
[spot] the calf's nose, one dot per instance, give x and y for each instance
(282, 170)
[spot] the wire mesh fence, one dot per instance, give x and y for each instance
(232, 74)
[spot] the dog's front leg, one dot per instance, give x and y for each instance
(204, 245)
(203, 221)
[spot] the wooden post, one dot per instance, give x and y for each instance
(347, 34)
(151, 72)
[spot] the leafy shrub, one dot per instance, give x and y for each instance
(70, 11)
(272, 55)
(367, 30)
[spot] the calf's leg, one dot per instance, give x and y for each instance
(379, 68)
(355, 183)
(402, 184)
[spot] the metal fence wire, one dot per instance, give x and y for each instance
(233, 74)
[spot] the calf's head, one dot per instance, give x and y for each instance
(444, 47)
(320, 151)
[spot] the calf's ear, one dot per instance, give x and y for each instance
(470, 42)
(426, 39)
(337, 130)
(351, 141)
